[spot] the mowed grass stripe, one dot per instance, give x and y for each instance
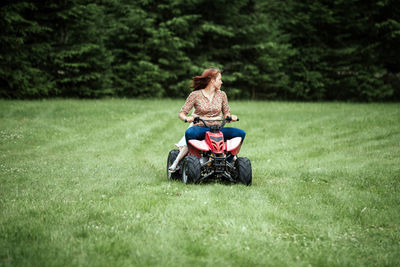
(83, 183)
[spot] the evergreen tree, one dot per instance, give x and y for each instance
(23, 53)
(240, 38)
(337, 56)
(387, 23)
(147, 52)
(304, 50)
(259, 52)
(81, 60)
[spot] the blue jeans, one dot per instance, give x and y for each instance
(199, 133)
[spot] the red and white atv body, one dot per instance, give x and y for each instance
(215, 143)
(212, 158)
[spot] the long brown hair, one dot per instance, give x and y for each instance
(201, 82)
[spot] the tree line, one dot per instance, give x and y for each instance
(292, 50)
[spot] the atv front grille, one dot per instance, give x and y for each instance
(219, 164)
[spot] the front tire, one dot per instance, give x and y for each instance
(191, 170)
(171, 158)
(243, 168)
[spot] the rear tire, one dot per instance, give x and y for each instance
(243, 168)
(171, 158)
(191, 170)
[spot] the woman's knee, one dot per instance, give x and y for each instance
(242, 134)
(189, 133)
(193, 133)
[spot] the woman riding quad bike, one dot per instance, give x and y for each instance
(212, 158)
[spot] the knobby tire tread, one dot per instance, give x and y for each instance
(171, 158)
(193, 169)
(244, 171)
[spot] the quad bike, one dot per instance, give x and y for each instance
(212, 158)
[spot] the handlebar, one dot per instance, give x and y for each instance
(214, 127)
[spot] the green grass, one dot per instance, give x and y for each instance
(83, 183)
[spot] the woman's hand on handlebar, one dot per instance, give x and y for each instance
(185, 118)
(232, 118)
(189, 119)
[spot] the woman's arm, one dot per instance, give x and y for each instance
(189, 104)
(183, 117)
(225, 108)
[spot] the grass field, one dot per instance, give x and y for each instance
(83, 183)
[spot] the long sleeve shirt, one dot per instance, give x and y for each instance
(203, 107)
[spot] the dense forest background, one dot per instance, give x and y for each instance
(292, 50)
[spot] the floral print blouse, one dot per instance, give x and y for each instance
(203, 107)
